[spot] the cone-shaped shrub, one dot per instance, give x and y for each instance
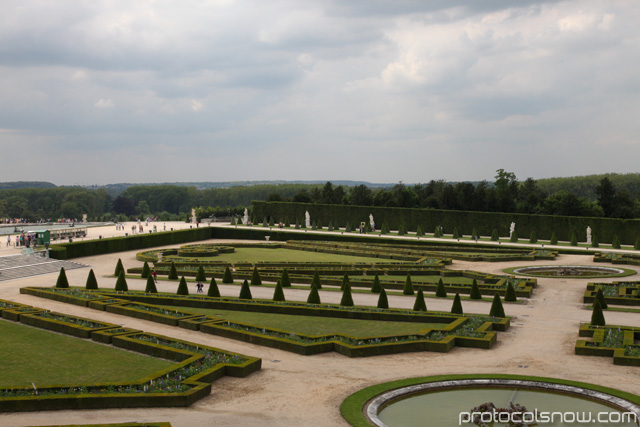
(314, 225)
(440, 290)
(297, 226)
(92, 283)
(419, 305)
(227, 277)
(255, 277)
(636, 245)
(145, 270)
(375, 286)
(265, 223)
(474, 233)
(554, 239)
(594, 242)
(254, 220)
(475, 290)
(456, 233)
(533, 238)
(245, 292)
(319, 225)
(494, 235)
(62, 281)
(616, 242)
(383, 301)
(437, 232)
(119, 268)
(278, 293)
(345, 281)
(456, 308)
(510, 294)
(514, 237)
(314, 296)
(173, 273)
(213, 288)
(330, 228)
(151, 286)
(573, 239)
(287, 224)
(347, 299)
(316, 280)
(419, 232)
(284, 279)
(600, 298)
(496, 307)
(271, 222)
(182, 287)
(367, 228)
(200, 276)
(408, 286)
(597, 317)
(385, 228)
(402, 230)
(347, 228)
(121, 283)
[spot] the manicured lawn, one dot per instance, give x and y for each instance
(260, 254)
(32, 355)
(314, 325)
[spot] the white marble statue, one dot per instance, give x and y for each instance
(371, 222)
(512, 228)
(588, 235)
(245, 218)
(194, 219)
(307, 219)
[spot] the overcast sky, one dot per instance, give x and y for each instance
(95, 92)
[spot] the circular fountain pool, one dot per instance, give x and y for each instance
(570, 271)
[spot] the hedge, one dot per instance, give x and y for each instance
(625, 352)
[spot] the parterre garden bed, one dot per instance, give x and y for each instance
(614, 341)
(616, 293)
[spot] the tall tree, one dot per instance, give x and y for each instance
(606, 196)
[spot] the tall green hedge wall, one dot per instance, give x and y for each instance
(543, 225)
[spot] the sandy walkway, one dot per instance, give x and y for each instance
(307, 391)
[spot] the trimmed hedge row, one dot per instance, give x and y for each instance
(616, 258)
(484, 222)
(617, 293)
(622, 349)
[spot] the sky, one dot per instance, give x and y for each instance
(97, 92)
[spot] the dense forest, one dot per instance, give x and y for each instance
(610, 195)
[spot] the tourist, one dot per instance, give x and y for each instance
(155, 275)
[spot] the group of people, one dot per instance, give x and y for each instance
(23, 239)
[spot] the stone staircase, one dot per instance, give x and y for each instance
(18, 266)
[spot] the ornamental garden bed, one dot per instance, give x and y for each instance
(610, 341)
(616, 293)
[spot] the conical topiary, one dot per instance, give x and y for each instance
(92, 282)
(474, 233)
(419, 305)
(284, 279)
(347, 228)
(151, 286)
(456, 307)
(121, 282)
(475, 290)
(145, 270)
(227, 277)
(600, 297)
(383, 301)
(597, 317)
(375, 286)
(173, 272)
(213, 288)
(287, 224)
(330, 228)
(200, 276)
(245, 292)
(385, 228)
(573, 239)
(514, 237)
(616, 242)
(347, 299)
(456, 233)
(496, 307)
(533, 238)
(316, 280)
(408, 286)
(255, 277)
(278, 293)
(62, 281)
(119, 268)
(419, 232)
(440, 290)
(314, 296)
(494, 235)
(183, 289)
(510, 294)
(594, 242)
(554, 239)
(345, 281)
(402, 230)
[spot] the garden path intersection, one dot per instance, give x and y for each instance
(540, 342)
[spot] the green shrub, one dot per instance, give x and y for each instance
(255, 277)
(616, 242)
(213, 288)
(419, 305)
(375, 286)
(278, 293)
(245, 292)
(456, 307)
(594, 242)
(284, 279)
(330, 228)
(514, 237)
(385, 228)
(408, 286)
(182, 287)
(297, 227)
(494, 235)
(286, 223)
(345, 282)
(440, 290)
(318, 225)
(347, 299)
(573, 239)
(456, 233)
(636, 245)
(314, 296)
(92, 282)
(316, 280)
(314, 226)
(554, 239)
(121, 283)
(475, 290)
(347, 228)
(510, 294)
(119, 268)
(173, 272)
(597, 317)
(497, 310)
(271, 222)
(145, 270)
(265, 222)
(474, 234)
(601, 299)
(254, 220)
(62, 281)
(151, 286)
(227, 277)
(383, 301)
(419, 232)
(437, 232)
(200, 276)
(533, 238)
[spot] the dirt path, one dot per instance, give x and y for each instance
(307, 391)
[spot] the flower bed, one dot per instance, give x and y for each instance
(610, 341)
